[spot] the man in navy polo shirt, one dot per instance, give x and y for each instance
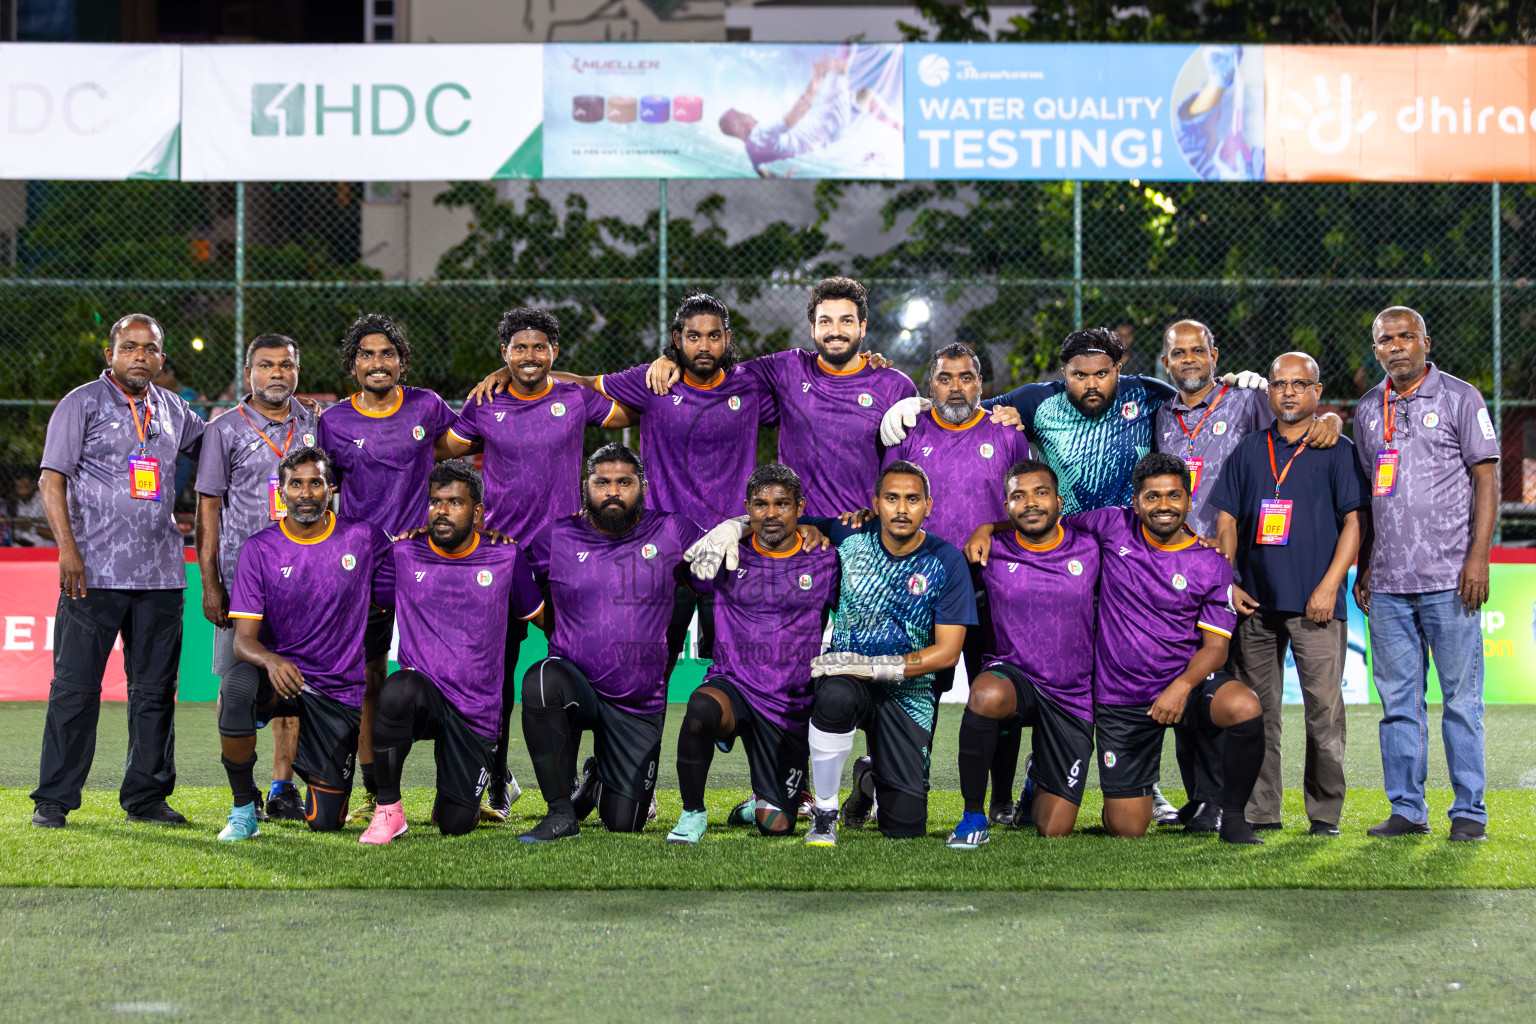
(1289, 515)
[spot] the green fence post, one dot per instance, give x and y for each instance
(661, 269)
(239, 281)
(1498, 350)
(1077, 255)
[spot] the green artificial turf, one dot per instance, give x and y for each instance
(92, 955)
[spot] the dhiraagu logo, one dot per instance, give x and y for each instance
(382, 108)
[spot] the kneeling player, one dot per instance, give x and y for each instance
(1165, 622)
(300, 605)
(904, 603)
(1041, 577)
(451, 591)
(612, 571)
(770, 611)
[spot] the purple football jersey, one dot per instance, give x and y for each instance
(966, 467)
(532, 461)
(452, 615)
(829, 424)
(385, 458)
(1153, 603)
(769, 618)
(312, 599)
(700, 441)
(612, 600)
(1042, 601)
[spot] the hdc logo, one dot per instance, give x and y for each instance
(280, 108)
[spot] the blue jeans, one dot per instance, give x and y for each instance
(1405, 628)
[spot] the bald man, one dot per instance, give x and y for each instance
(1289, 518)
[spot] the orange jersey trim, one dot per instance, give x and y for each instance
(244, 615)
(1061, 536)
(399, 401)
(535, 613)
(1214, 629)
(863, 362)
(714, 381)
(799, 543)
(549, 385)
(330, 527)
(1166, 547)
(981, 414)
(463, 554)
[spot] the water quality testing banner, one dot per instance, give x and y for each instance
(103, 112)
(1085, 111)
(362, 113)
(678, 110)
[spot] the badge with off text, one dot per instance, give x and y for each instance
(144, 477)
(1386, 473)
(1274, 521)
(1196, 467)
(277, 508)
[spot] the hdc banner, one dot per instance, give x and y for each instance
(362, 113)
(90, 111)
(1166, 113)
(1420, 113)
(679, 110)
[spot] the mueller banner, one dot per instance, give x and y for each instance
(1401, 113)
(90, 111)
(1085, 111)
(660, 110)
(361, 113)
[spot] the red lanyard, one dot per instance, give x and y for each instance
(1280, 475)
(1389, 406)
(286, 441)
(1208, 410)
(134, 412)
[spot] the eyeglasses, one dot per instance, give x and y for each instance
(1297, 386)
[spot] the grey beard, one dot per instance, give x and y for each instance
(305, 518)
(1292, 417)
(955, 413)
(274, 394)
(1189, 385)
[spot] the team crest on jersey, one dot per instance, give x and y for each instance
(1431, 419)
(1179, 582)
(484, 577)
(1109, 759)
(987, 451)
(309, 440)
(418, 432)
(558, 409)
(649, 551)
(805, 581)
(734, 402)
(349, 561)
(1075, 567)
(917, 584)
(1220, 428)
(866, 399)
(1129, 410)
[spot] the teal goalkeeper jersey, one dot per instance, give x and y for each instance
(1093, 456)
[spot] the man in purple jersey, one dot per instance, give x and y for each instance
(382, 439)
(771, 611)
(300, 604)
(532, 437)
(610, 573)
(1042, 576)
(830, 402)
(447, 588)
(962, 449)
(1165, 624)
(238, 496)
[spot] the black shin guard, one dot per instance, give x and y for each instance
(1005, 763)
(242, 779)
(1241, 762)
(620, 813)
(325, 807)
(547, 733)
(454, 819)
(902, 815)
(696, 748)
(978, 745)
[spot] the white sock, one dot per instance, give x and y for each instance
(829, 752)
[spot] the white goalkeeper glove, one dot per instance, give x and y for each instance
(882, 668)
(1247, 380)
(717, 547)
(900, 418)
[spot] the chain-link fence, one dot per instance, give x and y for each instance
(1008, 266)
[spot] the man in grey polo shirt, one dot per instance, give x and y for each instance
(109, 462)
(238, 495)
(1427, 444)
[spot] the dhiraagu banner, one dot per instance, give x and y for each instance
(1055, 111)
(362, 113)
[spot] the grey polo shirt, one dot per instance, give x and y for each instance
(236, 464)
(127, 543)
(1424, 528)
(1237, 413)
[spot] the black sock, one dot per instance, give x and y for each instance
(547, 731)
(1241, 763)
(369, 783)
(391, 745)
(696, 750)
(242, 779)
(978, 744)
(1005, 764)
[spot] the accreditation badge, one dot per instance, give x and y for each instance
(1274, 521)
(144, 477)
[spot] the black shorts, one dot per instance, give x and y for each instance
(327, 745)
(900, 745)
(627, 745)
(777, 757)
(463, 755)
(1061, 742)
(379, 634)
(1130, 741)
